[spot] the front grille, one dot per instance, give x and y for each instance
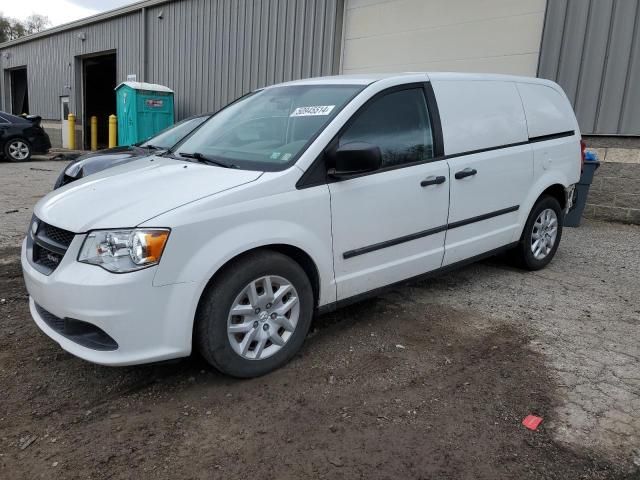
(48, 259)
(48, 245)
(58, 235)
(82, 333)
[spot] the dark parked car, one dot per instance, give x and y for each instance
(22, 136)
(101, 160)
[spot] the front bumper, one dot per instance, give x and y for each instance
(147, 323)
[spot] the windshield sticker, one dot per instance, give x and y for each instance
(275, 155)
(286, 157)
(312, 111)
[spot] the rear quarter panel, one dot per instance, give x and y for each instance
(555, 160)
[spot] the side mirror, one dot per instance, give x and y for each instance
(353, 159)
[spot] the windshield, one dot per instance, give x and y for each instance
(269, 129)
(168, 137)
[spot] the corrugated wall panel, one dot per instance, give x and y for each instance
(614, 82)
(209, 51)
(591, 68)
(575, 22)
(213, 51)
(591, 48)
(630, 114)
(51, 66)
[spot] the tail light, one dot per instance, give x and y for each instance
(583, 153)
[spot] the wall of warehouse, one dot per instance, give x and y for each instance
(213, 51)
(52, 69)
(500, 36)
(592, 49)
(208, 51)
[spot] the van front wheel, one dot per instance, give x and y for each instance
(541, 235)
(255, 316)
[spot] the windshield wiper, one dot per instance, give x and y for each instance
(152, 147)
(209, 161)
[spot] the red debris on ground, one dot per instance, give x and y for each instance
(531, 422)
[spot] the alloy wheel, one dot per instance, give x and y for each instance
(263, 317)
(544, 234)
(18, 150)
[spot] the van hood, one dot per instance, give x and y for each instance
(127, 195)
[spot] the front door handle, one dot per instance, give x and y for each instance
(467, 172)
(433, 181)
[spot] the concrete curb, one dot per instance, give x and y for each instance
(617, 155)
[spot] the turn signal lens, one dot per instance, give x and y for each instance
(148, 245)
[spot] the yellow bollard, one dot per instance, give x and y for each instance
(72, 131)
(94, 133)
(113, 129)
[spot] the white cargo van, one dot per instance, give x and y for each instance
(296, 199)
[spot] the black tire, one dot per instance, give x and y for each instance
(8, 150)
(522, 254)
(211, 337)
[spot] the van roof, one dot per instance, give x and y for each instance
(369, 78)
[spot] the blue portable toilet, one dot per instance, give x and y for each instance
(143, 110)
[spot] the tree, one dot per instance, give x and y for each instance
(35, 23)
(11, 28)
(4, 28)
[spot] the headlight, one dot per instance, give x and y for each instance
(124, 250)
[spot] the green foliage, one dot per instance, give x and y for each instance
(11, 28)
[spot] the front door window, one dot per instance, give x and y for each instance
(399, 124)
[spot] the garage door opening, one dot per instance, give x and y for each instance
(99, 82)
(19, 91)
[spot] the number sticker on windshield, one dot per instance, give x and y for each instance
(312, 111)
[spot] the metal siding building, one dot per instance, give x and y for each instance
(499, 36)
(208, 51)
(52, 61)
(592, 49)
(212, 51)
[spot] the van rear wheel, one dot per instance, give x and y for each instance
(541, 235)
(255, 316)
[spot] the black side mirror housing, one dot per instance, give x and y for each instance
(354, 159)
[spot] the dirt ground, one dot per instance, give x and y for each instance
(428, 381)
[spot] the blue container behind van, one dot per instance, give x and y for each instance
(591, 164)
(143, 110)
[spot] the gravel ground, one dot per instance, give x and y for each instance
(427, 381)
(21, 186)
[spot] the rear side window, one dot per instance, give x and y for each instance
(399, 124)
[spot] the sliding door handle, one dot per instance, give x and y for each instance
(433, 181)
(467, 172)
